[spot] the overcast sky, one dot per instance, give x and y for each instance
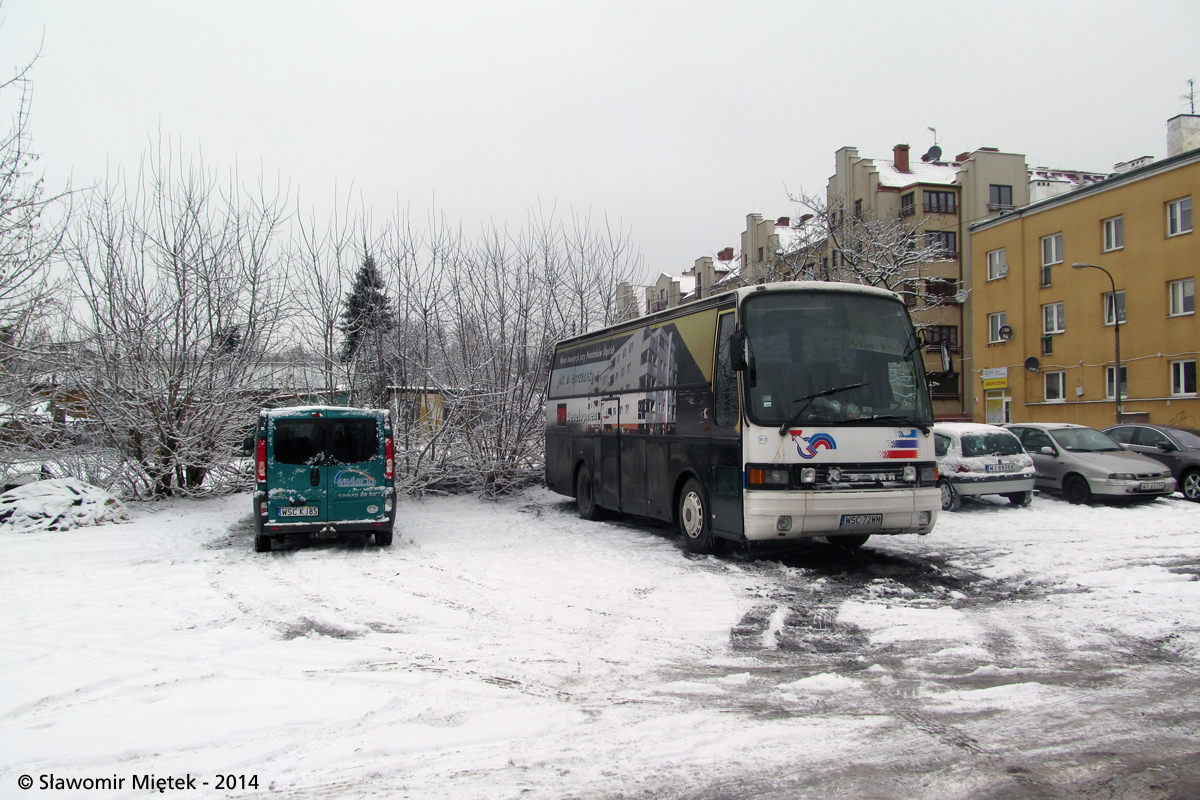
(675, 120)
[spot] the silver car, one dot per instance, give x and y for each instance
(1081, 462)
(975, 459)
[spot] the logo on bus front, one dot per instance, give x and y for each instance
(903, 446)
(807, 446)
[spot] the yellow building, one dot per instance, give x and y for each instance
(1046, 333)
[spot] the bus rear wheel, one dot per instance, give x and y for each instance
(694, 521)
(585, 499)
(849, 540)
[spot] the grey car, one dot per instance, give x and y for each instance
(1082, 462)
(1173, 445)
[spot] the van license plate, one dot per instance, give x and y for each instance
(861, 520)
(300, 511)
(1152, 487)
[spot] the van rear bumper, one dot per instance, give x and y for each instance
(356, 526)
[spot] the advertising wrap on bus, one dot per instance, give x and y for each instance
(779, 411)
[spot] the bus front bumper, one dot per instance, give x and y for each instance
(771, 516)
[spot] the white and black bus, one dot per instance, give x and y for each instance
(775, 412)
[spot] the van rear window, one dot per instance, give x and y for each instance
(299, 441)
(352, 441)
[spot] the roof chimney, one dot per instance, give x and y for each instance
(900, 156)
(783, 222)
(725, 255)
(961, 157)
(1183, 134)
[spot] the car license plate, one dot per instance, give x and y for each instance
(861, 520)
(1001, 468)
(300, 511)
(1152, 487)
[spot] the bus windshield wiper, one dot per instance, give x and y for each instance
(924, 426)
(783, 429)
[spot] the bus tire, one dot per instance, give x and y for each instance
(849, 540)
(695, 522)
(585, 498)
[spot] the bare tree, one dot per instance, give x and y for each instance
(182, 292)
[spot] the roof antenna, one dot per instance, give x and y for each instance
(935, 152)
(1191, 95)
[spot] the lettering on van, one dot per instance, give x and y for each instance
(352, 479)
(807, 446)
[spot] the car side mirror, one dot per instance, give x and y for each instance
(1047, 450)
(1166, 447)
(737, 351)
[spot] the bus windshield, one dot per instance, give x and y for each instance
(829, 357)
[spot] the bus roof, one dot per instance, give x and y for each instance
(737, 295)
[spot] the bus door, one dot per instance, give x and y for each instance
(610, 453)
(725, 440)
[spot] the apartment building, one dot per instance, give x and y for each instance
(1047, 334)
(938, 200)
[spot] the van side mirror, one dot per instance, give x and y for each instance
(248, 446)
(737, 351)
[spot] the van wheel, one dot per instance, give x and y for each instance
(849, 541)
(950, 498)
(1076, 489)
(262, 544)
(694, 521)
(1020, 498)
(585, 500)
(384, 538)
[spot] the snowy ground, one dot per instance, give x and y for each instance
(503, 650)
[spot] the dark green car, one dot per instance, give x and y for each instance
(322, 471)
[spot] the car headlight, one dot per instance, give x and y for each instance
(1121, 476)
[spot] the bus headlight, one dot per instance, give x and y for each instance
(784, 523)
(929, 475)
(924, 518)
(764, 477)
(808, 475)
(910, 473)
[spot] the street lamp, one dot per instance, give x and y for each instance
(1116, 331)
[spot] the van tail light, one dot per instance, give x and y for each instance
(260, 459)
(389, 459)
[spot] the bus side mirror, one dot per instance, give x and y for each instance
(737, 351)
(947, 362)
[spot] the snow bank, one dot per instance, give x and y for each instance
(57, 505)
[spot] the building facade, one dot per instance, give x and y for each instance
(1046, 334)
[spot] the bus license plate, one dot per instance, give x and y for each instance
(300, 511)
(861, 520)
(1152, 487)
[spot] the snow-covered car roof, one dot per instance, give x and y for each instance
(1047, 426)
(960, 428)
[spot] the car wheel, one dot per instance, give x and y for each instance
(262, 544)
(1076, 489)
(849, 541)
(384, 538)
(1020, 498)
(950, 498)
(1189, 484)
(694, 522)
(585, 500)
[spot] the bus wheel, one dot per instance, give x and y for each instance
(850, 540)
(694, 522)
(585, 500)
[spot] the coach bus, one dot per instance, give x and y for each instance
(774, 412)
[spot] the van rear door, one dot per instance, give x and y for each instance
(356, 474)
(297, 474)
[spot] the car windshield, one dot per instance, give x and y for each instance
(990, 443)
(1083, 440)
(856, 347)
(1186, 438)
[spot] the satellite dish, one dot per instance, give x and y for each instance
(1032, 364)
(960, 296)
(1005, 332)
(934, 154)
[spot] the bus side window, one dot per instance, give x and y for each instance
(725, 384)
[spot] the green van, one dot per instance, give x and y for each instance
(323, 471)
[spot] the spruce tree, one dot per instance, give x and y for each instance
(368, 310)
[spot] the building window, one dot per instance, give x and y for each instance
(997, 266)
(1052, 253)
(999, 197)
(936, 334)
(1054, 318)
(837, 258)
(760, 254)
(995, 323)
(1109, 374)
(1114, 234)
(940, 202)
(1179, 216)
(1183, 377)
(1181, 297)
(1118, 307)
(908, 290)
(944, 387)
(1056, 387)
(945, 241)
(940, 291)
(907, 204)
(858, 209)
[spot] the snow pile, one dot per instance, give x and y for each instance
(57, 505)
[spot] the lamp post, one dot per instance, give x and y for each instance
(1116, 332)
